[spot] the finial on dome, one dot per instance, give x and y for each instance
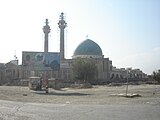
(61, 16)
(46, 22)
(86, 36)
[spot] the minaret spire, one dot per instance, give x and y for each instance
(46, 30)
(62, 25)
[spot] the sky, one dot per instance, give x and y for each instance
(128, 31)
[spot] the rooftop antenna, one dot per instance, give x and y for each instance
(15, 57)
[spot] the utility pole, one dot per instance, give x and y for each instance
(127, 84)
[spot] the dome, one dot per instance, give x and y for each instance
(88, 48)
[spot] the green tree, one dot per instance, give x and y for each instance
(156, 75)
(84, 69)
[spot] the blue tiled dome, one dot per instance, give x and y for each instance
(88, 47)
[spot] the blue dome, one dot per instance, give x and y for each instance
(88, 47)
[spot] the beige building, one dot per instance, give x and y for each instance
(9, 71)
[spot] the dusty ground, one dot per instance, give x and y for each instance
(150, 94)
(97, 103)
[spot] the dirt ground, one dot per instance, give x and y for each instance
(150, 94)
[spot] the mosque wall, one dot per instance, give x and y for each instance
(103, 70)
(40, 59)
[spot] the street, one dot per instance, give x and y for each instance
(10, 110)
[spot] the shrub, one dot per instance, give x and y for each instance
(156, 75)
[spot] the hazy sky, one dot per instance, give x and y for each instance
(128, 31)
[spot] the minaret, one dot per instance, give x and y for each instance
(62, 25)
(46, 30)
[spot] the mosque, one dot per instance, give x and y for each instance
(55, 65)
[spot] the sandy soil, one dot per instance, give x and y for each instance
(150, 94)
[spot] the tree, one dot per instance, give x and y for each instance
(156, 75)
(84, 69)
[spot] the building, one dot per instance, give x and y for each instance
(56, 66)
(9, 71)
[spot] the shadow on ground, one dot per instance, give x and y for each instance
(61, 94)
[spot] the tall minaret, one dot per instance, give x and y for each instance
(46, 30)
(62, 24)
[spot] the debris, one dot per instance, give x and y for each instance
(24, 94)
(133, 95)
(128, 95)
(67, 102)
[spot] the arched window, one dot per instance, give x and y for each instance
(112, 76)
(27, 58)
(117, 76)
